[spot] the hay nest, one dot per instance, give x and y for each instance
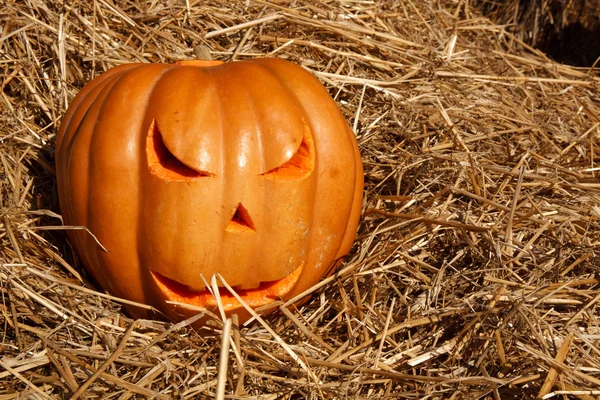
(475, 271)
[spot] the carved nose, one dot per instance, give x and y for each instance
(241, 221)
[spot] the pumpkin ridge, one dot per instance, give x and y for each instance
(268, 113)
(182, 102)
(349, 137)
(104, 87)
(348, 237)
(143, 191)
(266, 64)
(102, 91)
(274, 71)
(97, 83)
(68, 136)
(94, 258)
(223, 167)
(293, 168)
(259, 213)
(99, 99)
(272, 66)
(125, 78)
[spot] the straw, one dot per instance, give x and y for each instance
(474, 273)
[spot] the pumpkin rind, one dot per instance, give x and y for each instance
(240, 137)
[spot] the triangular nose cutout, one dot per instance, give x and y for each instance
(241, 221)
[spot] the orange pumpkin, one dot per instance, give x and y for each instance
(181, 171)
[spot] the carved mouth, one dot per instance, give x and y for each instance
(264, 294)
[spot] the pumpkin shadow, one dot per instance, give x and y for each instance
(45, 194)
(42, 169)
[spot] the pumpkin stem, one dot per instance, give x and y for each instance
(202, 52)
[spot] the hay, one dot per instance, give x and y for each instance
(475, 271)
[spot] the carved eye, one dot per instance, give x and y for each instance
(163, 163)
(300, 165)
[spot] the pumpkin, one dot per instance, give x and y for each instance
(181, 171)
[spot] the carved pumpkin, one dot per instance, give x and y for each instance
(247, 169)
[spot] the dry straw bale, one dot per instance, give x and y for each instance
(535, 17)
(475, 271)
(568, 29)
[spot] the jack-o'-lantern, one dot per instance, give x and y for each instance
(181, 171)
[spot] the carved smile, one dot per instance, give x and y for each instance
(264, 294)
